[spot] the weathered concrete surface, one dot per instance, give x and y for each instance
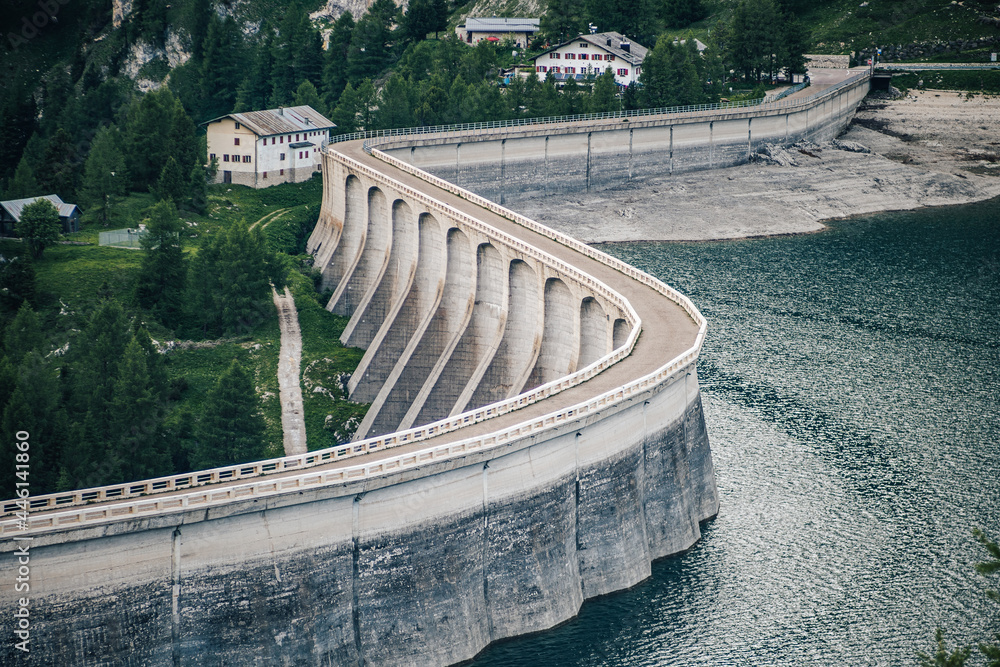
(932, 148)
(426, 569)
(571, 158)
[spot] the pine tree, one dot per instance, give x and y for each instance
(755, 33)
(136, 434)
(24, 335)
(794, 43)
(432, 99)
(196, 19)
(255, 91)
(8, 380)
(335, 67)
(682, 13)
(17, 282)
(307, 53)
(17, 122)
(198, 188)
(631, 98)
(562, 21)
(183, 142)
(56, 95)
(60, 174)
(39, 226)
(395, 104)
(222, 66)
(104, 177)
(603, 98)
(283, 76)
(246, 272)
(171, 186)
(572, 97)
(230, 279)
(371, 43)
(457, 93)
(345, 114)
(546, 101)
(942, 657)
(163, 272)
(95, 357)
(34, 406)
(417, 20)
(34, 154)
(669, 75)
(231, 429)
(439, 17)
(306, 94)
(159, 382)
(480, 62)
(23, 184)
(146, 151)
(516, 96)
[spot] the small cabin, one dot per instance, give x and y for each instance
(10, 214)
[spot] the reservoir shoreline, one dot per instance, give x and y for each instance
(929, 148)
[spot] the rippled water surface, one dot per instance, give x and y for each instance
(851, 382)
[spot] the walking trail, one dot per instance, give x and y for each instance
(273, 215)
(290, 390)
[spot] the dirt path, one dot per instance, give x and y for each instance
(292, 421)
(931, 148)
(273, 215)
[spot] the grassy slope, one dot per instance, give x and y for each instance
(324, 363)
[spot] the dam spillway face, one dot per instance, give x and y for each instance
(535, 439)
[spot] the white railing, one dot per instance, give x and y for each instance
(941, 67)
(178, 483)
(270, 487)
(779, 106)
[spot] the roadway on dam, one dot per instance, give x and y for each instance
(667, 332)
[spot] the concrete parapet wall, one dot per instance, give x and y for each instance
(508, 166)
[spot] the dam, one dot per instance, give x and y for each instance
(536, 436)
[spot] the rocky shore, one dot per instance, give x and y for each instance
(929, 148)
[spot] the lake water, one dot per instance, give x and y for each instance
(851, 382)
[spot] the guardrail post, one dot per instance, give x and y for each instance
(503, 169)
(588, 159)
(628, 178)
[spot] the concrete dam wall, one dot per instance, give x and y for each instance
(511, 164)
(536, 439)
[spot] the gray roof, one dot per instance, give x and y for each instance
(280, 121)
(610, 42)
(501, 25)
(15, 206)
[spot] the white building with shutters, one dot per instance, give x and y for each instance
(262, 148)
(589, 55)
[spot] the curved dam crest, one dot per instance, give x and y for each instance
(536, 439)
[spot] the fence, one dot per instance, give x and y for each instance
(122, 238)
